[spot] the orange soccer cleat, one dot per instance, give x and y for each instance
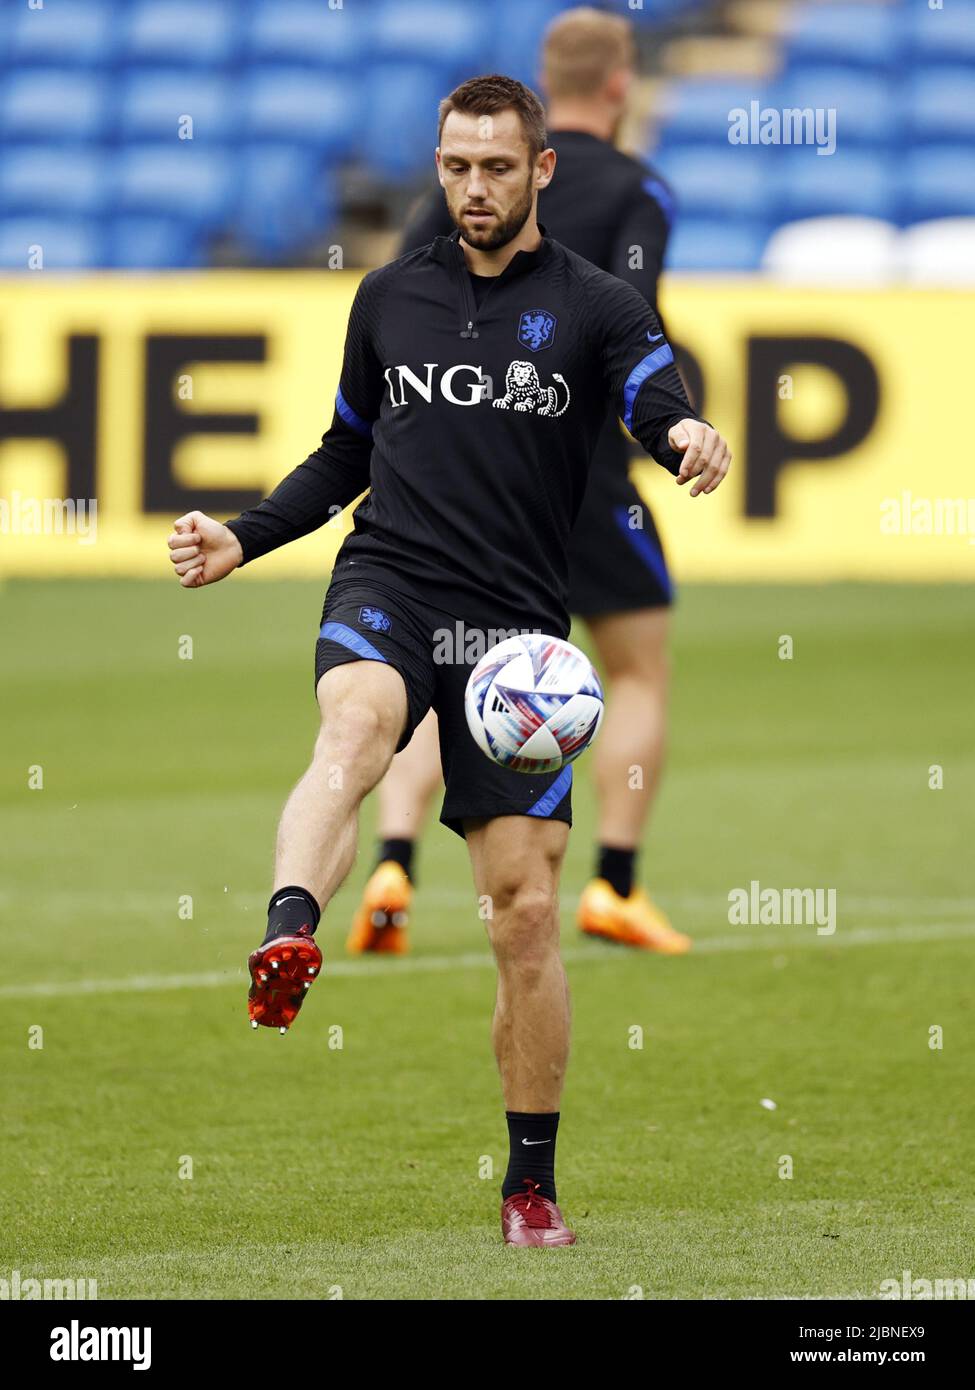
(380, 923)
(632, 921)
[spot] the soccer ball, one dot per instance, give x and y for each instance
(533, 703)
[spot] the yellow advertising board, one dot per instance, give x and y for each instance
(127, 400)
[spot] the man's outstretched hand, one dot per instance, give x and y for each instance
(203, 550)
(706, 455)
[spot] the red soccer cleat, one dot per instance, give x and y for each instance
(282, 973)
(527, 1218)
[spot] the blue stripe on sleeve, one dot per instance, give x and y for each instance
(355, 421)
(662, 196)
(653, 362)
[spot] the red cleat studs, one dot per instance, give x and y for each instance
(276, 997)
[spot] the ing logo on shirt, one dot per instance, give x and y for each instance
(522, 389)
(536, 329)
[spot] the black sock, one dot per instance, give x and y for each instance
(616, 867)
(289, 909)
(400, 852)
(531, 1152)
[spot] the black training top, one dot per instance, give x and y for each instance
(604, 205)
(475, 427)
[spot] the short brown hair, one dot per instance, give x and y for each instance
(582, 48)
(487, 96)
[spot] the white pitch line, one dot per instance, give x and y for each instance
(75, 899)
(482, 960)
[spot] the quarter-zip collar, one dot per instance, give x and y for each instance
(448, 251)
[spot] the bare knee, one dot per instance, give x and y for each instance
(523, 928)
(360, 727)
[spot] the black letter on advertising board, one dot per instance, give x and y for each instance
(69, 421)
(166, 425)
(768, 450)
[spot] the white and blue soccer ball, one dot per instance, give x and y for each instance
(533, 703)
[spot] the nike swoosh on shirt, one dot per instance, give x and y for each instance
(536, 1141)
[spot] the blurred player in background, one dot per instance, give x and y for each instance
(615, 212)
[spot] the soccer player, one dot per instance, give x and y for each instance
(474, 385)
(614, 211)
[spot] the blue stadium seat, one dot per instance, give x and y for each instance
(867, 108)
(433, 32)
(699, 109)
(518, 29)
(941, 104)
(295, 104)
(153, 243)
(153, 104)
(864, 36)
(699, 244)
(41, 103)
(191, 33)
(65, 31)
(305, 31)
(710, 182)
(943, 36)
(66, 243)
(399, 129)
(938, 181)
(284, 200)
(179, 180)
(850, 181)
(53, 179)
(652, 12)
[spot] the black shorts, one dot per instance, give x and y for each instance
(435, 653)
(616, 561)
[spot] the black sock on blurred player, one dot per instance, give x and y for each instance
(400, 852)
(289, 909)
(616, 867)
(531, 1152)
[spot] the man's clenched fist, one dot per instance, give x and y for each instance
(203, 550)
(706, 455)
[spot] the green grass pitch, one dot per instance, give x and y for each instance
(316, 1168)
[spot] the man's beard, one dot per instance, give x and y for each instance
(502, 230)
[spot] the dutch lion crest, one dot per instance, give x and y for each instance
(536, 329)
